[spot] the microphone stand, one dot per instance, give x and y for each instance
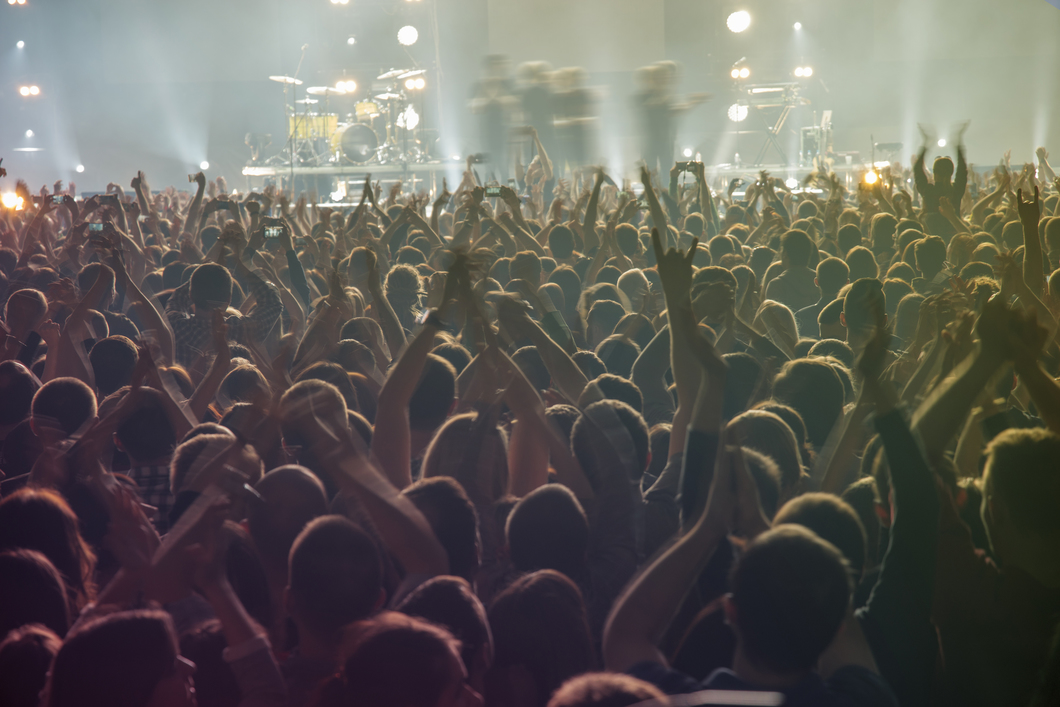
(294, 111)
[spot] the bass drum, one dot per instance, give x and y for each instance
(355, 143)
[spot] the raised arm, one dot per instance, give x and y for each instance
(658, 216)
(1033, 269)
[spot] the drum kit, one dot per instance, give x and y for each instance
(381, 129)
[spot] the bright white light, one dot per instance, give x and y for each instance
(942, 142)
(29, 133)
(21, 2)
(408, 35)
(456, 157)
(34, 90)
(344, 2)
(10, 2)
(798, 26)
(735, 73)
(10, 199)
(807, 71)
(798, 71)
(410, 84)
(687, 152)
(351, 41)
(20, 44)
(204, 165)
(791, 183)
(737, 112)
(409, 119)
(350, 86)
(745, 72)
(24, 90)
(739, 21)
(871, 177)
(420, 84)
(79, 168)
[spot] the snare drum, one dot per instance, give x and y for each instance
(366, 111)
(306, 126)
(355, 142)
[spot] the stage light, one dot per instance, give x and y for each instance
(34, 90)
(942, 142)
(798, 26)
(204, 165)
(408, 35)
(791, 183)
(735, 73)
(20, 44)
(807, 71)
(687, 152)
(79, 168)
(24, 90)
(351, 41)
(420, 84)
(798, 71)
(350, 86)
(29, 133)
(410, 84)
(739, 21)
(871, 177)
(745, 72)
(737, 112)
(11, 200)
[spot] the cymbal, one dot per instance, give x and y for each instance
(325, 91)
(410, 74)
(388, 96)
(307, 101)
(286, 79)
(393, 73)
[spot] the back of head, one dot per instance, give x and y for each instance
(791, 590)
(619, 354)
(540, 624)
(306, 403)
(860, 304)
(839, 350)
(334, 577)
(743, 379)
(862, 263)
(849, 236)
(797, 247)
(26, 654)
(25, 309)
(815, 391)
(561, 242)
(64, 404)
(292, 497)
(433, 399)
(882, 231)
(831, 519)
(942, 169)
(628, 239)
(147, 433)
(529, 361)
(604, 316)
(113, 360)
(548, 529)
(336, 375)
(394, 660)
(450, 602)
(767, 433)
(526, 265)
(117, 660)
(588, 442)
(453, 518)
(33, 592)
(832, 274)
(17, 388)
(472, 450)
(211, 287)
(1020, 478)
(607, 690)
(931, 255)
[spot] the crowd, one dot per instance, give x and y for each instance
(581, 448)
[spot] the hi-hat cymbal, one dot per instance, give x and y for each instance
(307, 101)
(325, 91)
(410, 74)
(393, 73)
(388, 96)
(286, 79)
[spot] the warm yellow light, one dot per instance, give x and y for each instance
(11, 200)
(34, 90)
(871, 177)
(420, 84)
(24, 90)
(745, 72)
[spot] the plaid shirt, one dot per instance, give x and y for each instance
(193, 334)
(154, 490)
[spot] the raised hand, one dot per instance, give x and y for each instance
(675, 269)
(1030, 211)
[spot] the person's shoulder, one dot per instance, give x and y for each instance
(856, 686)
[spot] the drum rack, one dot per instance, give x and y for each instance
(415, 175)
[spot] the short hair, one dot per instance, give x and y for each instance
(619, 354)
(540, 622)
(605, 314)
(1020, 472)
(548, 529)
(607, 690)
(720, 246)
(463, 444)
(859, 304)
(33, 302)
(628, 239)
(211, 286)
(146, 434)
(832, 274)
(529, 361)
(766, 475)
(584, 442)
(26, 653)
(336, 375)
(792, 591)
(526, 265)
(798, 246)
(292, 496)
(242, 384)
(882, 229)
(452, 517)
(814, 390)
(561, 242)
(64, 402)
(862, 263)
(568, 281)
(335, 574)
(743, 378)
(433, 398)
(191, 456)
(17, 388)
(901, 271)
(831, 311)
(832, 519)
(455, 354)
(930, 254)
(113, 360)
(589, 363)
(375, 670)
(33, 592)
(712, 274)
(837, 349)
(450, 602)
(615, 387)
(766, 432)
